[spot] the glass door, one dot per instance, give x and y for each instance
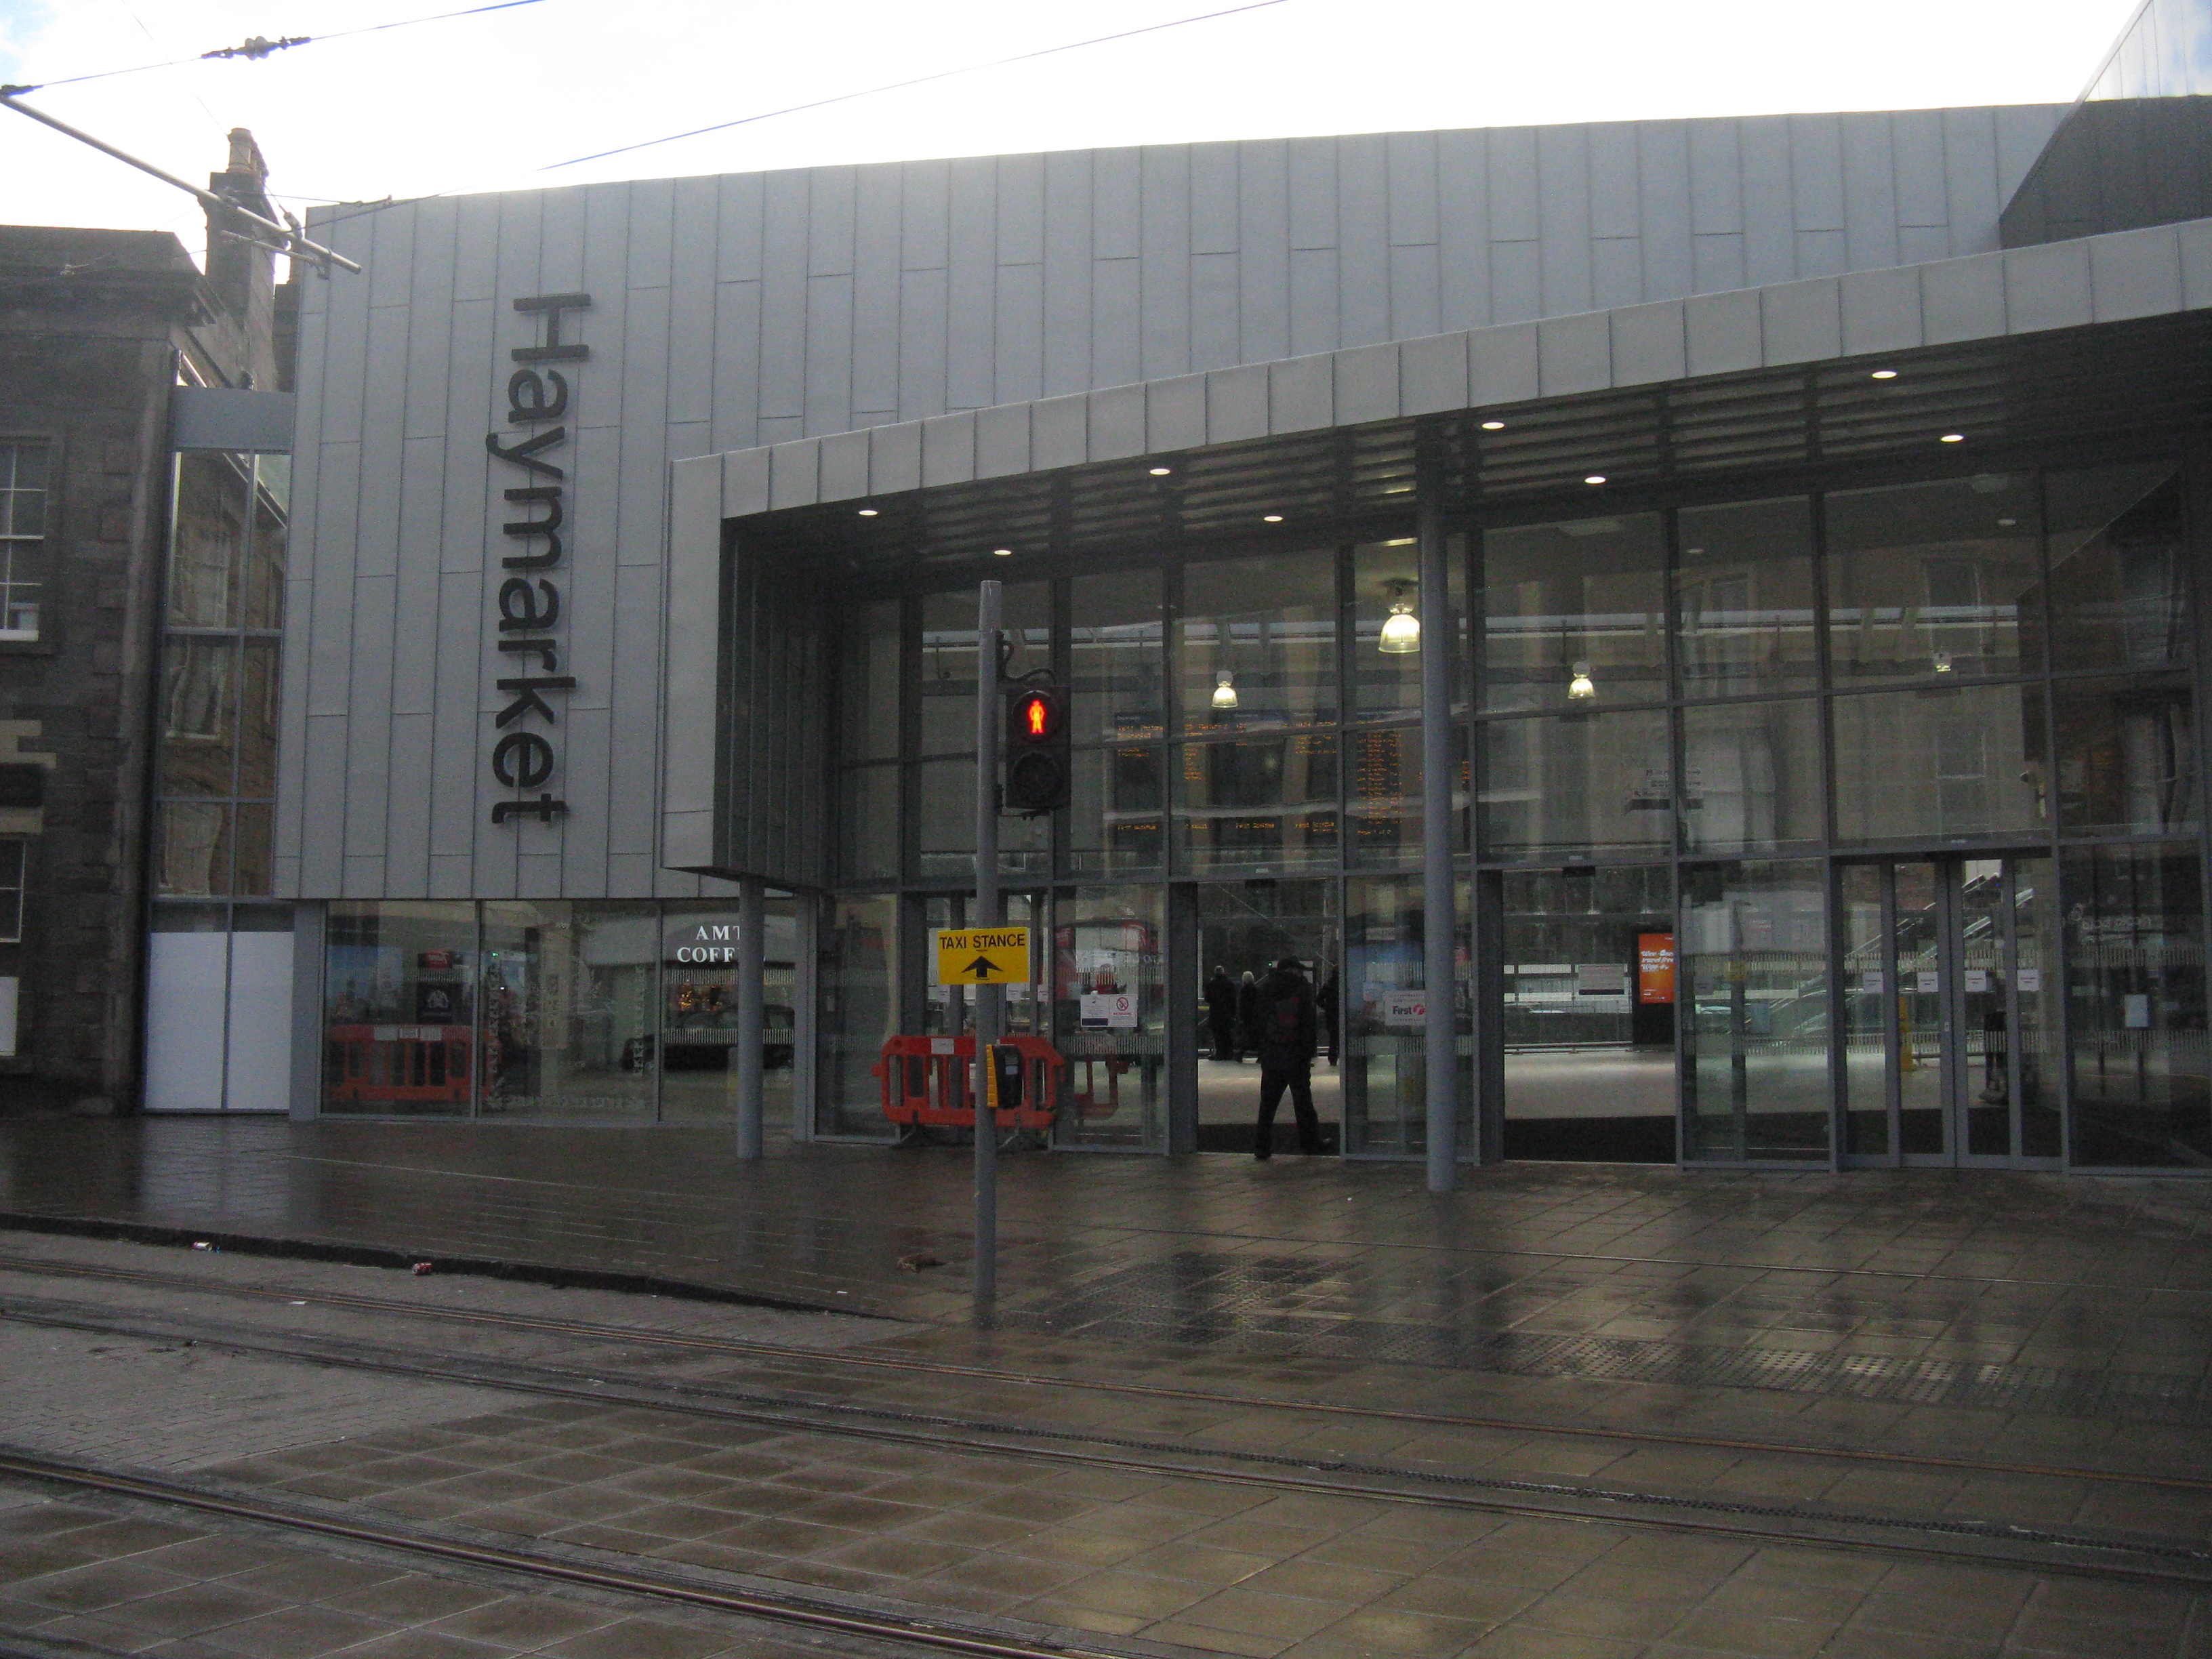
(1949, 1047)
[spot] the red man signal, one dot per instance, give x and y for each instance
(1038, 764)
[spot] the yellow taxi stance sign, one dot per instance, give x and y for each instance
(982, 956)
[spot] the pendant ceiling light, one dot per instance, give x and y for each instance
(1582, 688)
(1401, 630)
(1224, 690)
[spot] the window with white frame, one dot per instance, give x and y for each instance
(22, 537)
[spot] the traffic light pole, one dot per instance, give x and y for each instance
(989, 997)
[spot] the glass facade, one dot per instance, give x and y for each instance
(218, 1030)
(1805, 826)
(574, 1011)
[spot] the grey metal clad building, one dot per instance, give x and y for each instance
(1797, 517)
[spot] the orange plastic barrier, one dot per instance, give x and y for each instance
(1082, 1090)
(423, 1065)
(930, 1081)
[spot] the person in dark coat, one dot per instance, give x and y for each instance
(1285, 1029)
(1328, 997)
(1248, 1011)
(1221, 1014)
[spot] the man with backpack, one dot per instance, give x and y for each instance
(1284, 1036)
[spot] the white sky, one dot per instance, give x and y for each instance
(488, 102)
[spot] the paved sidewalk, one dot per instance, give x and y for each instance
(1877, 1293)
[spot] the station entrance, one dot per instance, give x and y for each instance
(1951, 1047)
(1244, 928)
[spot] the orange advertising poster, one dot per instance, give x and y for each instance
(1655, 968)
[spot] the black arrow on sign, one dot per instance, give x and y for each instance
(980, 968)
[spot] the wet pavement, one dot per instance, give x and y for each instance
(1872, 1292)
(894, 1494)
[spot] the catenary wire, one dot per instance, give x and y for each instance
(257, 48)
(918, 81)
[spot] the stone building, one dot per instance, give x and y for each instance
(115, 351)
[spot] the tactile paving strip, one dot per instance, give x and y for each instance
(1253, 1304)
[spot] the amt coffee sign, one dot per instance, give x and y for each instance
(528, 607)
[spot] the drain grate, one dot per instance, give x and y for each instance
(1280, 1306)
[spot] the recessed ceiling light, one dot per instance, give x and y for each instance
(1883, 374)
(1002, 552)
(1953, 438)
(1595, 478)
(867, 512)
(2008, 523)
(1494, 425)
(1161, 471)
(1272, 518)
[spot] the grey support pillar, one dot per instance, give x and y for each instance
(989, 999)
(1439, 925)
(751, 951)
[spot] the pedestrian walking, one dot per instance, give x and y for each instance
(1328, 997)
(1287, 1026)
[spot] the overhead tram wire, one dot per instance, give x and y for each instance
(287, 238)
(257, 47)
(362, 209)
(918, 81)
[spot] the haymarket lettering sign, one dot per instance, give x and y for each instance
(529, 602)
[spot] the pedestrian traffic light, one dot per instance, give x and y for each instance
(1038, 766)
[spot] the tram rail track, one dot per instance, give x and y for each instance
(572, 1566)
(742, 1348)
(2073, 1551)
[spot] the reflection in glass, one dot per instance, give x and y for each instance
(266, 547)
(2127, 755)
(1743, 599)
(193, 856)
(857, 1010)
(696, 1051)
(398, 1008)
(260, 663)
(1258, 643)
(947, 688)
(1116, 819)
(1589, 1020)
(867, 724)
(1385, 1066)
(197, 731)
(1115, 657)
(1384, 784)
(208, 538)
(251, 825)
(1386, 581)
(2135, 962)
(566, 1006)
(1933, 579)
(1940, 763)
(1576, 784)
(1754, 974)
(1580, 601)
(1869, 995)
(1259, 805)
(867, 822)
(1108, 941)
(1922, 985)
(2039, 1053)
(1751, 776)
(2119, 585)
(945, 808)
